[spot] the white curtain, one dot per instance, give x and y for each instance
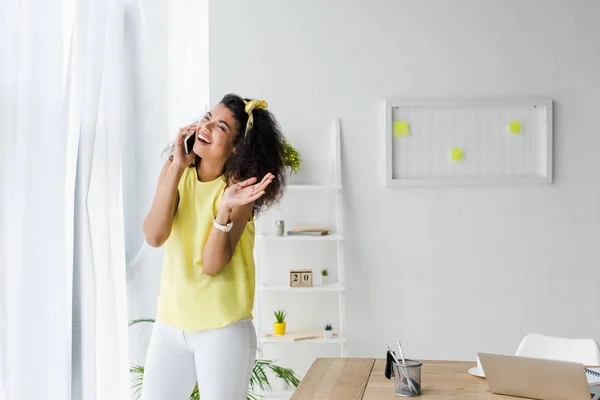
(36, 265)
(186, 78)
(63, 304)
(166, 68)
(95, 114)
(166, 65)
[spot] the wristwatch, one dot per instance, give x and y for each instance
(224, 228)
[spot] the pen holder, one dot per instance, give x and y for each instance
(407, 378)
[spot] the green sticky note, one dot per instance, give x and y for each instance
(401, 128)
(457, 154)
(515, 127)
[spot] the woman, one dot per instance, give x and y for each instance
(204, 210)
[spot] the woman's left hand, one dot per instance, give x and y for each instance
(246, 192)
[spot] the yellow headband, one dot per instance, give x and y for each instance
(251, 106)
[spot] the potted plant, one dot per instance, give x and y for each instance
(324, 276)
(279, 326)
(328, 331)
(291, 158)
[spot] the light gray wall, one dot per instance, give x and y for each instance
(448, 271)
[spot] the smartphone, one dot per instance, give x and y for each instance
(188, 143)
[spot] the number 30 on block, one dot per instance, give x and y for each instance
(300, 278)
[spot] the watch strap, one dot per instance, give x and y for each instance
(224, 228)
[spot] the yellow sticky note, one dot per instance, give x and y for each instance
(401, 128)
(515, 127)
(457, 154)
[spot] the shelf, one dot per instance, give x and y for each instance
(298, 238)
(272, 339)
(302, 187)
(326, 191)
(335, 287)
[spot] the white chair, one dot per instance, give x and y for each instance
(584, 351)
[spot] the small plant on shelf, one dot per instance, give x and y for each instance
(324, 276)
(291, 158)
(328, 331)
(279, 325)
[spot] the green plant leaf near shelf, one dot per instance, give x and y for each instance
(259, 380)
(291, 158)
(279, 316)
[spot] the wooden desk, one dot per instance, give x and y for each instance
(362, 378)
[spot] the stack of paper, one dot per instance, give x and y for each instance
(308, 231)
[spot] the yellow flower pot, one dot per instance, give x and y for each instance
(279, 328)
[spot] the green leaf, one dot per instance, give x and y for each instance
(252, 396)
(259, 377)
(279, 316)
(287, 374)
(137, 380)
(137, 321)
(195, 394)
(291, 157)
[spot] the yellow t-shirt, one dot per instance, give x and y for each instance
(189, 299)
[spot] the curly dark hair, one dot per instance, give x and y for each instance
(258, 152)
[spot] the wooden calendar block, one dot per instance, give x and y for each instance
(301, 278)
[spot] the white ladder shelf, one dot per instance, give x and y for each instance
(335, 237)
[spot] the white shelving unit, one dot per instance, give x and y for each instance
(334, 287)
(272, 238)
(335, 238)
(274, 339)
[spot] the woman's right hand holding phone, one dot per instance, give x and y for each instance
(180, 158)
(159, 221)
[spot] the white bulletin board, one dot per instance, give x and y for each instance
(457, 142)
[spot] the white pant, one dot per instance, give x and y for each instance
(221, 360)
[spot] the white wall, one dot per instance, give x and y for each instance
(448, 271)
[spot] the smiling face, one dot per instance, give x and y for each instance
(215, 134)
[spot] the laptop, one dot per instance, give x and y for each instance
(537, 378)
